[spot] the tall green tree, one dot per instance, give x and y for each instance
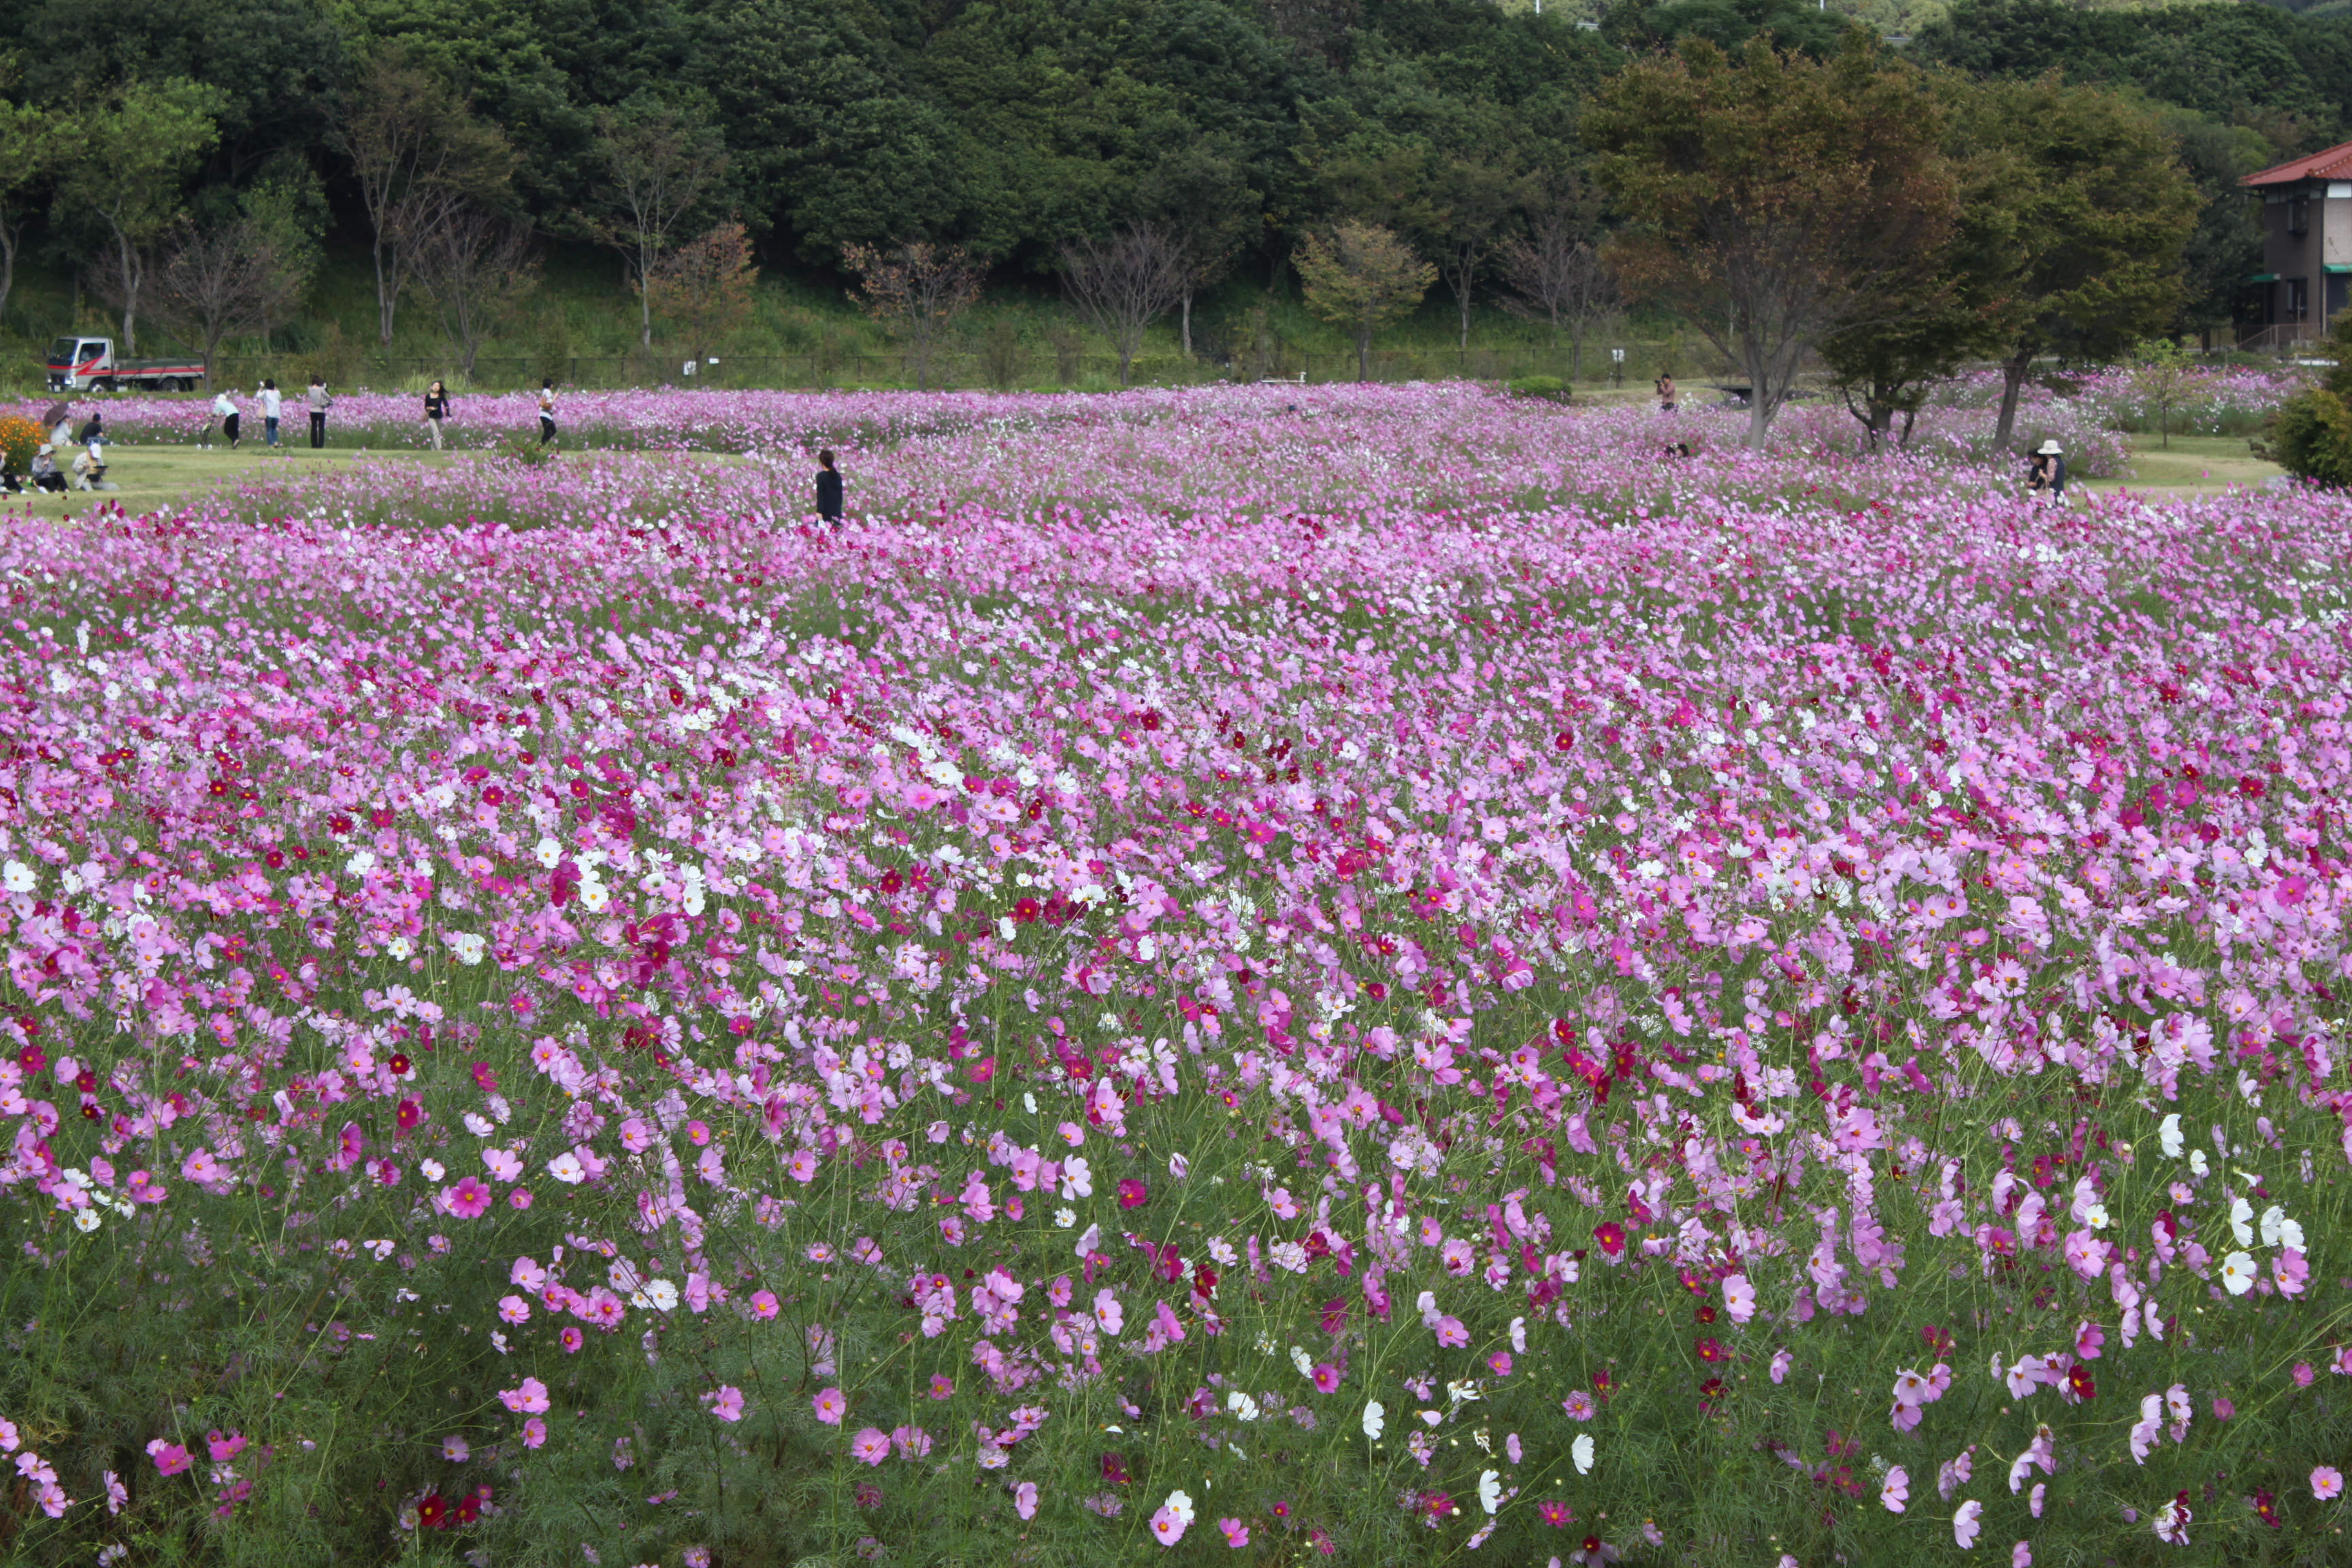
(30, 148)
(1775, 200)
(1359, 278)
(662, 164)
(127, 166)
(2104, 209)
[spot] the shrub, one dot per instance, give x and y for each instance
(1550, 388)
(20, 438)
(2310, 435)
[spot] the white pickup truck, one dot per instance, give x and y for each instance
(79, 365)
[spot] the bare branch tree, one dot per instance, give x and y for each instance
(1123, 284)
(916, 288)
(703, 289)
(1555, 274)
(477, 270)
(215, 284)
(417, 153)
(662, 165)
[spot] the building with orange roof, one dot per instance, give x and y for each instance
(2306, 247)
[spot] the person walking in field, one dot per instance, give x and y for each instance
(272, 401)
(436, 409)
(828, 488)
(546, 411)
(319, 400)
(224, 410)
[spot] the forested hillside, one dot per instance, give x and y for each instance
(1011, 127)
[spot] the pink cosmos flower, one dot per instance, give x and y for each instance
(1896, 1491)
(1579, 1405)
(1327, 1376)
(2290, 1271)
(1024, 1500)
(831, 1407)
(1499, 1364)
(725, 1402)
(513, 1309)
(1167, 1527)
(912, 1442)
(572, 1338)
(871, 1444)
(170, 1457)
(530, 1399)
(1738, 1297)
(2021, 1556)
(468, 1199)
(1134, 1194)
(455, 1449)
(224, 1447)
(1451, 1333)
(2089, 1339)
(1237, 1534)
(2326, 1483)
(1965, 1525)
(534, 1433)
(764, 1304)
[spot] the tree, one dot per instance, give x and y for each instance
(476, 269)
(419, 157)
(1777, 199)
(702, 290)
(1123, 284)
(2162, 376)
(1476, 199)
(219, 283)
(1887, 367)
(917, 290)
(1203, 197)
(2104, 209)
(1359, 278)
(1553, 273)
(29, 149)
(662, 164)
(127, 164)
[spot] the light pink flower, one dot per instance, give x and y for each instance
(830, 1406)
(725, 1402)
(1965, 1525)
(1024, 1500)
(871, 1444)
(1896, 1491)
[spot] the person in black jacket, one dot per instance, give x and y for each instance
(828, 488)
(436, 409)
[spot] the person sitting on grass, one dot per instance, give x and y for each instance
(45, 474)
(89, 468)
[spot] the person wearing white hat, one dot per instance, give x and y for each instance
(2047, 473)
(45, 474)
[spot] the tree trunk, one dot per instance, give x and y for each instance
(1364, 353)
(7, 267)
(1187, 319)
(127, 258)
(644, 298)
(2012, 382)
(1760, 403)
(1462, 297)
(384, 301)
(1575, 350)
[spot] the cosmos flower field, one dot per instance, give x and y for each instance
(1244, 976)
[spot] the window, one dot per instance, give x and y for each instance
(2298, 215)
(2298, 299)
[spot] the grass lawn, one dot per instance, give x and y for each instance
(2193, 463)
(153, 476)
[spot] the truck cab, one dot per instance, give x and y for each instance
(81, 364)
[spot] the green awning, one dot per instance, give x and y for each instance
(2337, 267)
(2263, 277)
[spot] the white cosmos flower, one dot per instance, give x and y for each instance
(2242, 1214)
(17, 878)
(1180, 1503)
(2196, 1162)
(594, 898)
(1519, 1335)
(2280, 1231)
(1065, 1218)
(467, 947)
(1580, 1451)
(659, 1295)
(2238, 1273)
(1375, 1420)
(1303, 1362)
(2169, 1136)
(566, 1168)
(86, 1219)
(1243, 1407)
(433, 1170)
(2095, 1216)
(1490, 1490)
(548, 852)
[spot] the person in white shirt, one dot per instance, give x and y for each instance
(225, 409)
(272, 400)
(89, 467)
(546, 411)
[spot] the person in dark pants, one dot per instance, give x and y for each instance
(436, 409)
(546, 411)
(828, 488)
(319, 400)
(2046, 476)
